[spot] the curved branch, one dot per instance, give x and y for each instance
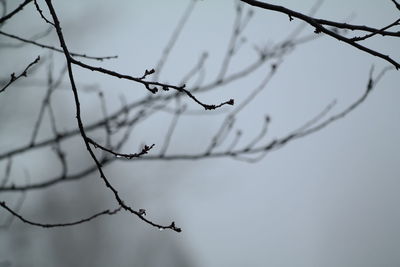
(48, 225)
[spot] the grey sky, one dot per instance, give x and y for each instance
(329, 199)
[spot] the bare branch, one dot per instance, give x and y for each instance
(144, 150)
(151, 86)
(318, 24)
(41, 13)
(49, 225)
(24, 73)
(54, 48)
(15, 11)
(357, 39)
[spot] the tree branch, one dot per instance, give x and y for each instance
(24, 73)
(15, 11)
(48, 225)
(318, 25)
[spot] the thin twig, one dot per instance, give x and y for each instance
(54, 48)
(15, 11)
(24, 73)
(173, 39)
(41, 13)
(49, 225)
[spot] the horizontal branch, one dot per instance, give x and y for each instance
(53, 48)
(151, 86)
(48, 225)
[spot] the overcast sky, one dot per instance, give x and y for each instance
(329, 199)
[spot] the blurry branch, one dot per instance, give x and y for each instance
(51, 86)
(35, 37)
(179, 110)
(15, 11)
(10, 218)
(28, 41)
(18, 206)
(312, 126)
(4, 7)
(234, 43)
(24, 73)
(144, 150)
(265, 54)
(6, 173)
(320, 27)
(174, 38)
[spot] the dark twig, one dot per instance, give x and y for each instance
(362, 38)
(196, 69)
(278, 51)
(227, 124)
(151, 86)
(319, 24)
(48, 225)
(278, 143)
(15, 11)
(41, 13)
(24, 73)
(17, 207)
(56, 180)
(262, 133)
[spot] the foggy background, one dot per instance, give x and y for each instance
(329, 199)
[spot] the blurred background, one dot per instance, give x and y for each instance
(328, 199)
